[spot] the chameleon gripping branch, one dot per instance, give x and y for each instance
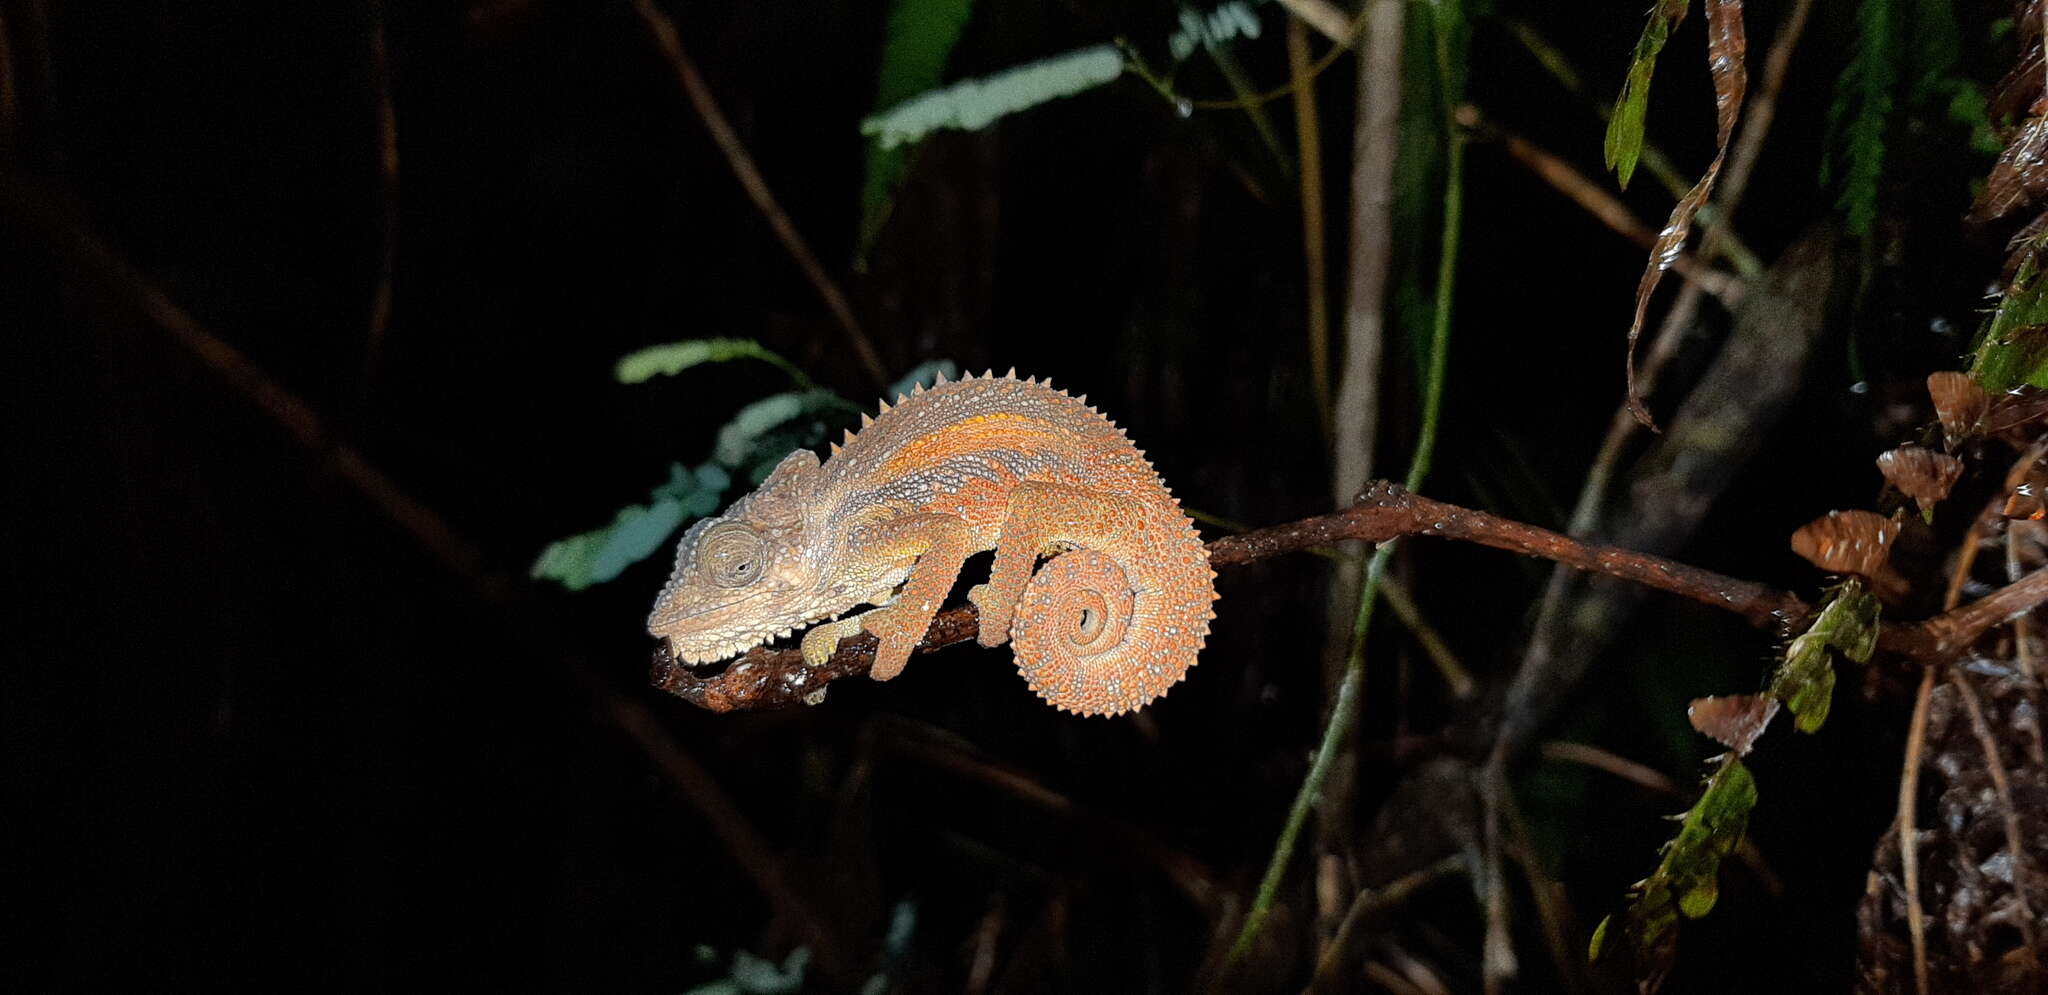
(766, 678)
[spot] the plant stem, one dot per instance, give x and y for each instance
(1344, 714)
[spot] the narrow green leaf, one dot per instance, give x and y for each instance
(974, 104)
(1624, 144)
(675, 357)
(1861, 111)
(921, 35)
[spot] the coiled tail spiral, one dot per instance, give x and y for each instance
(1092, 638)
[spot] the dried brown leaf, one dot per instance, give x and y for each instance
(1735, 721)
(1727, 62)
(1853, 542)
(1958, 402)
(2019, 177)
(2019, 89)
(1921, 474)
(2017, 412)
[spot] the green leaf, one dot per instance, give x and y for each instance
(1805, 682)
(742, 441)
(923, 374)
(1200, 29)
(2014, 349)
(675, 357)
(921, 34)
(1687, 880)
(1863, 99)
(974, 104)
(602, 554)
(1624, 145)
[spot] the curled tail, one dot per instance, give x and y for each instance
(1099, 634)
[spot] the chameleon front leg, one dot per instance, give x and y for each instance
(1045, 518)
(940, 543)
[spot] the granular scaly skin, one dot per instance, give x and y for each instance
(1110, 622)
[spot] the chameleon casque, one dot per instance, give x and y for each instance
(1111, 621)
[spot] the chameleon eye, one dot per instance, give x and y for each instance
(733, 558)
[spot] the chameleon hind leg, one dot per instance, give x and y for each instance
(940, 543)
(1047, 518)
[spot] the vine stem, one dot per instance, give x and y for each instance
(1344, 714)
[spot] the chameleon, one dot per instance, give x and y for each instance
(1112, 619)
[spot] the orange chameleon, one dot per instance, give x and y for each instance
(1112, 620)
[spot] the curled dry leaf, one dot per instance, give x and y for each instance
(1847, 542)
(2017, 413)
(1735, 721)
(2019, 177)
(1958, 402)
(1728, 63)
(1853, 542)
(1921, 474)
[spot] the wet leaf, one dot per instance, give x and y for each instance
(1805, 682)
(921, 35)
(1727, 62)
(1959, 403)
(1847, 542)
(602, 554)
(743, 440)
(2019, 177)
(675, 357)
(1624, 144)
(1687, 880)
(2014, 347)
(974, 104)
(1735, 721)
(1921, 474)
(2017, 414)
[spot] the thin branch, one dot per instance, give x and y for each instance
(387, 195)
(1595, 200)
(1370, 903)
(1324, 17)
(519, 610)
(750, 178)
(1613, 763)
(1994, 765)
(1909, 841)
(1309, 141)
(770, 678)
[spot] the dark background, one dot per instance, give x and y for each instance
(259, 737)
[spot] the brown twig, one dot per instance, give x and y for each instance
(1309, 141)
(749, 175)
(519, 611)
(1613, 763)
(387, 195)
(1595, 200)
(1994, 764)
(772, 678)
(1367, 904)
(1324, 17)
(1909, 844)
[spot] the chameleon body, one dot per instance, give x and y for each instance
(1112, 620)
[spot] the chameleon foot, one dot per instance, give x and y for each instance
(822, 641)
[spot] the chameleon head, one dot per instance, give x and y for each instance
(742, 578)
